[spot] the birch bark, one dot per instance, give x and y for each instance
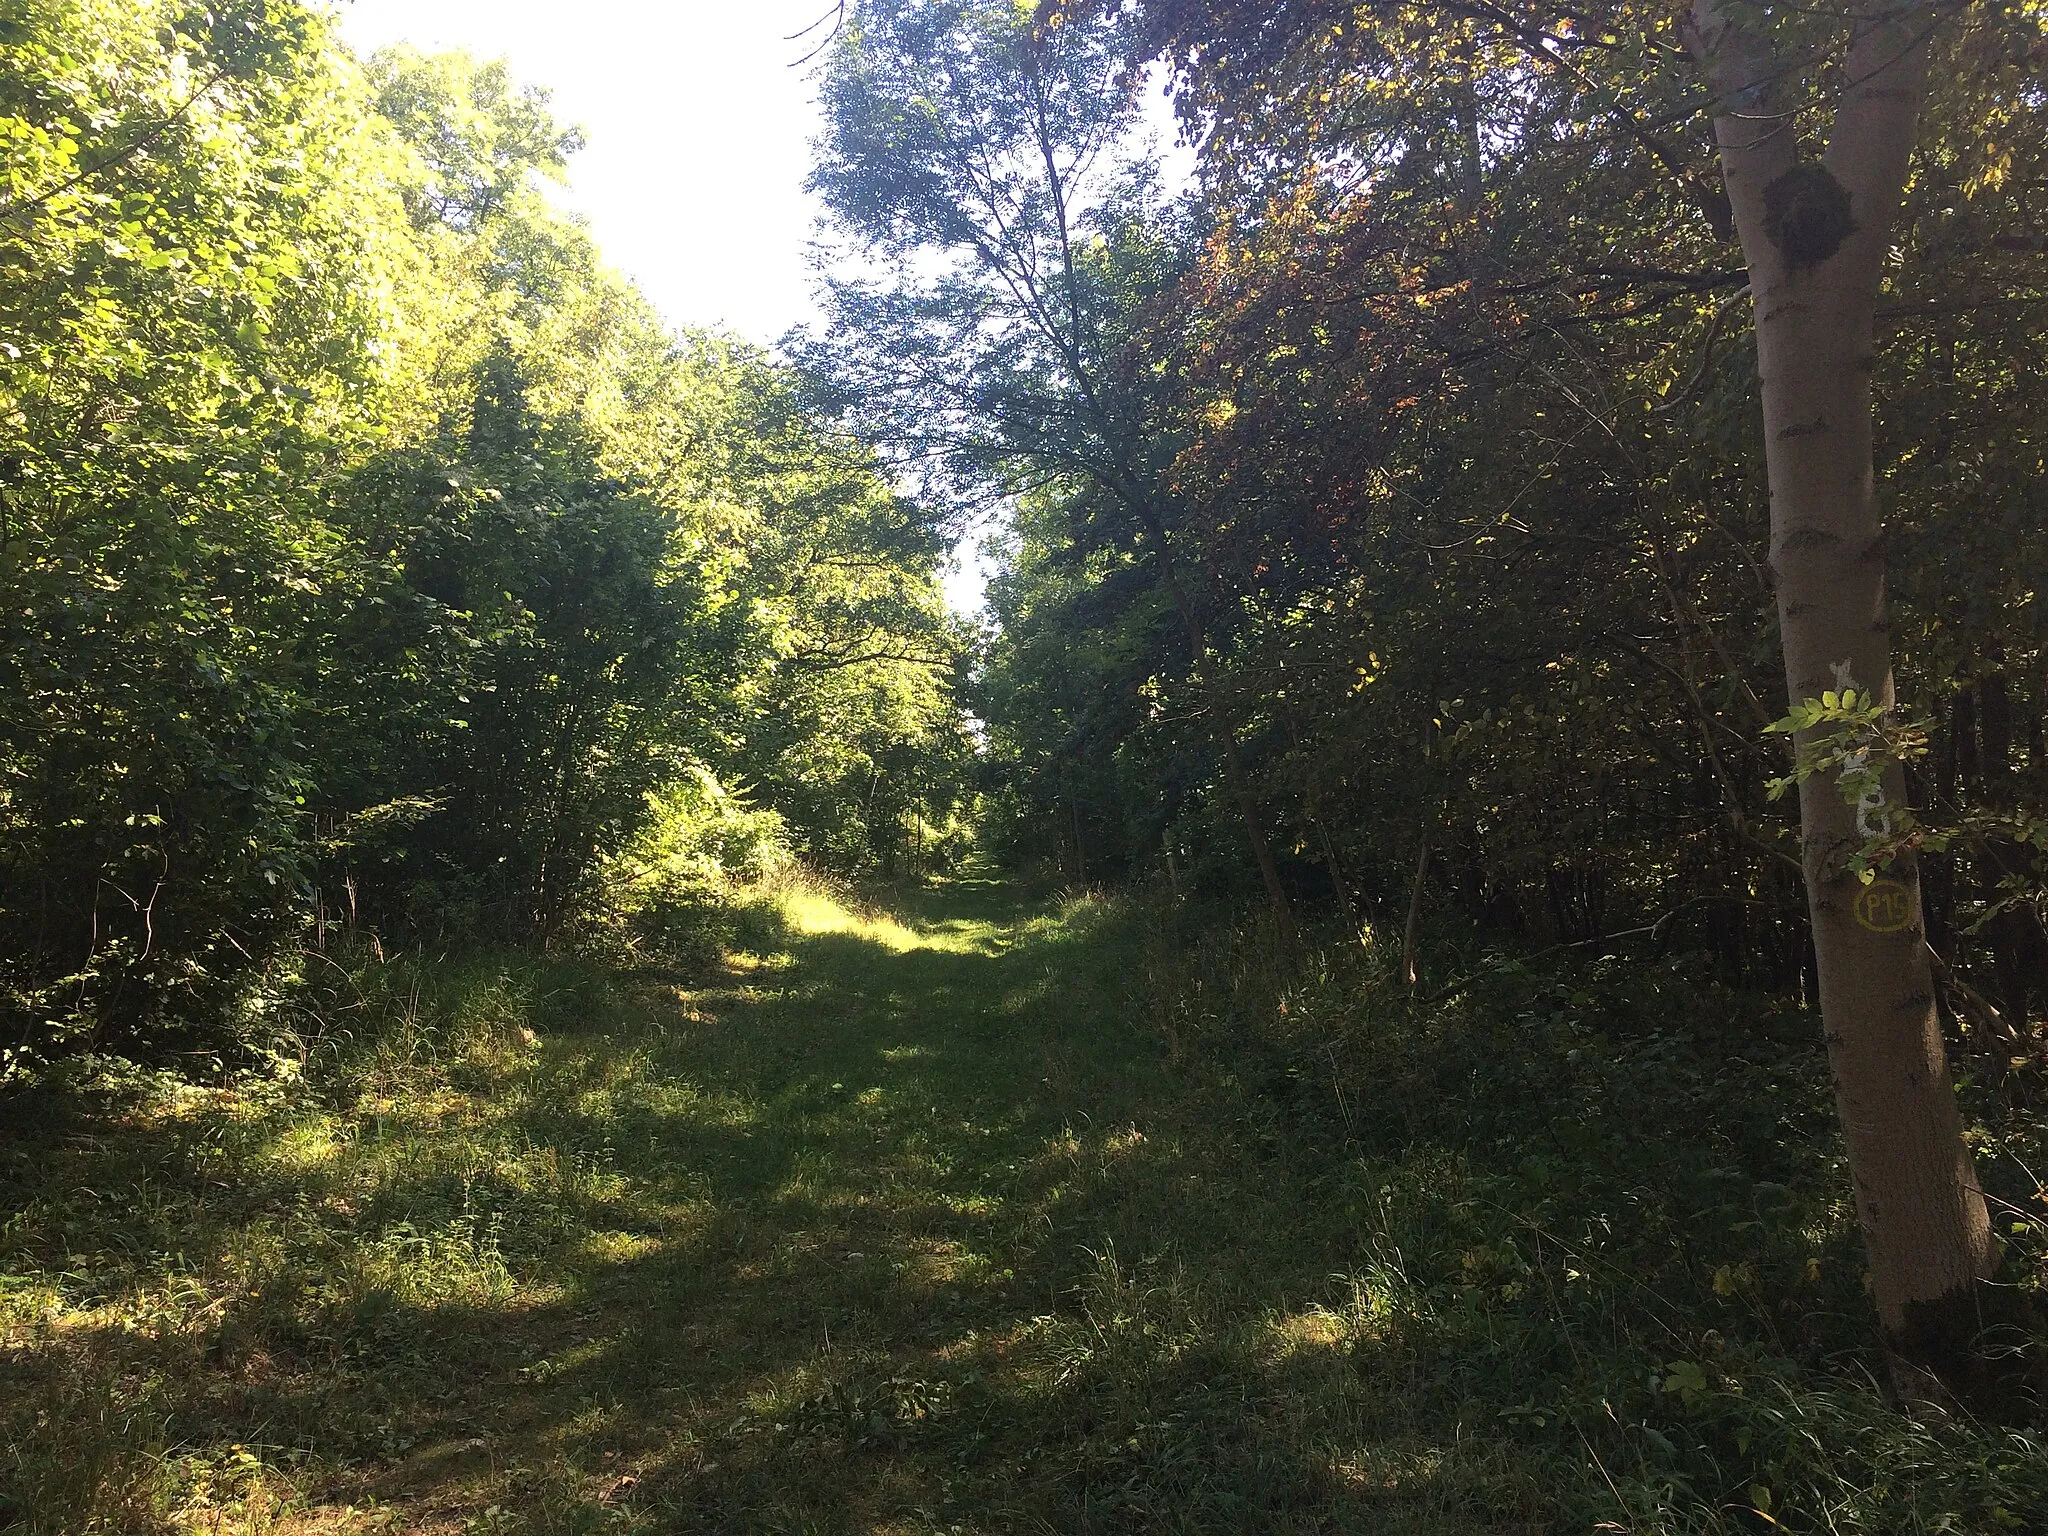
(1815, 236)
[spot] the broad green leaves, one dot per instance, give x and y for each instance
(368, 551)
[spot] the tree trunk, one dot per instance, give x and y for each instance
(2015, 932)
(1815, 235)
(1411, 930)
(1080, 856)
(1337, 881)
(1311, 803)
(1234, 776)
(1262, 851)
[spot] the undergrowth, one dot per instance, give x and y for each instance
(1603, 1205)
(946, 1211)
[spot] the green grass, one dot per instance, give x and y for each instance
(971, 1214)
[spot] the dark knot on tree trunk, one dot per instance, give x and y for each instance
(1806, 214)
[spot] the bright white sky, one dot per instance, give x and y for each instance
(698, 135)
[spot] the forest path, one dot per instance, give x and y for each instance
(904, 1222)
(909, 1226)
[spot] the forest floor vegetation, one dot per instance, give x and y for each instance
(965, 1210)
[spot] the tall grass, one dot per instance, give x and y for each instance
(934, 1210)
(198, 1282)
(1603, 1219)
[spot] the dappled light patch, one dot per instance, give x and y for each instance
(1310, 1331)
(750, 963)
(887, 1240)
(812, 913)
(308, 1145)
(619, 1247)
(1393, 1474)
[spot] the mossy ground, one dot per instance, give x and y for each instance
(944, 1217)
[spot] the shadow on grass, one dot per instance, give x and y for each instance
(907, 1223)
(904, 1225)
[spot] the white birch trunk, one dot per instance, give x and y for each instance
(1815, 236)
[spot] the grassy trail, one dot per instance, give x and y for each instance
(921, 1221)
(905, 1224)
